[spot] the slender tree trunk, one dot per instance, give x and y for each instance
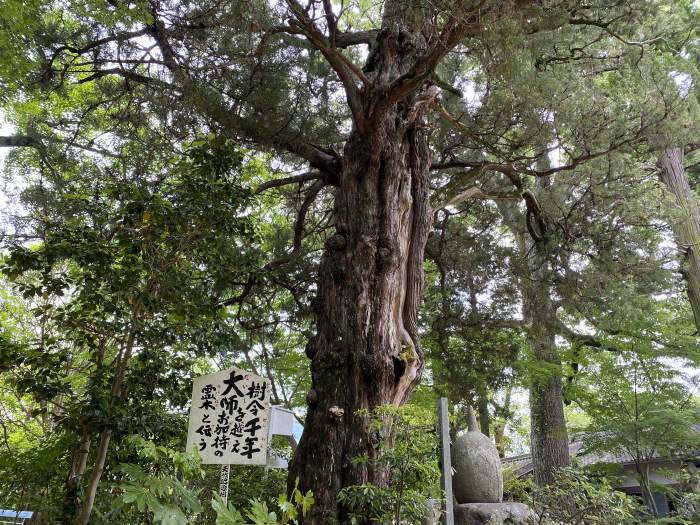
(484, 416)
(78, 465)
(71, 505)
(91, 490)
(499, 429)
(687, 226)
(549, 441)
(645, 487)
(122, 363)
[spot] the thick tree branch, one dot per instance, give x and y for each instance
(342, 40)
(583, 339)
(501, 167)
(294, 179)
(318, 158)
(16, 141)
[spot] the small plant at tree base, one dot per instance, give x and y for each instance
(578, 498)
(259, 514)
(406, 450)
(159, 490)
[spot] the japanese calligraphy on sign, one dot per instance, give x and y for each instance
(229, 418)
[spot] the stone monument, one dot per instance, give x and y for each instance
(478, 482)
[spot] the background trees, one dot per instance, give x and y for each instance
(646, 412)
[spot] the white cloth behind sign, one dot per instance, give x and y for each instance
(281, 424)
(281, 421)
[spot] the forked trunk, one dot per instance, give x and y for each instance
(687, 226)
(122, 362)
(366, 352)
(645, 488)
(91, 490)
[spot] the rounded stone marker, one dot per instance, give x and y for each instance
(478, 477)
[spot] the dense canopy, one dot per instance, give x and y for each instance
(369, 203)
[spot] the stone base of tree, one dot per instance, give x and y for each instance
(493, 514)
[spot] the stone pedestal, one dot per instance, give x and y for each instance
(507, 513)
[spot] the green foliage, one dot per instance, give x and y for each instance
(638, 406)
(161, 485)
(34, 468)
(291, 510)
(405, 450)
(684, 495)
(578, 498)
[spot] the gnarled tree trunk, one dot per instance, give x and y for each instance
(687, 228)
(366, 351)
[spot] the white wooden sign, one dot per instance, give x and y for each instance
(229, 418)
(223, 482)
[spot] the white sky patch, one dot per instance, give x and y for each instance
(683, 81)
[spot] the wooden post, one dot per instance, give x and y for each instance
(223, 483)
(445, 461)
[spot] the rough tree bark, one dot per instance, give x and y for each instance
(687, 228)
(366, 351)
(549, 440)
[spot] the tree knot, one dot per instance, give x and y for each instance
(337, 242)
(310, 349)
(335, 414)
(312, 398)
